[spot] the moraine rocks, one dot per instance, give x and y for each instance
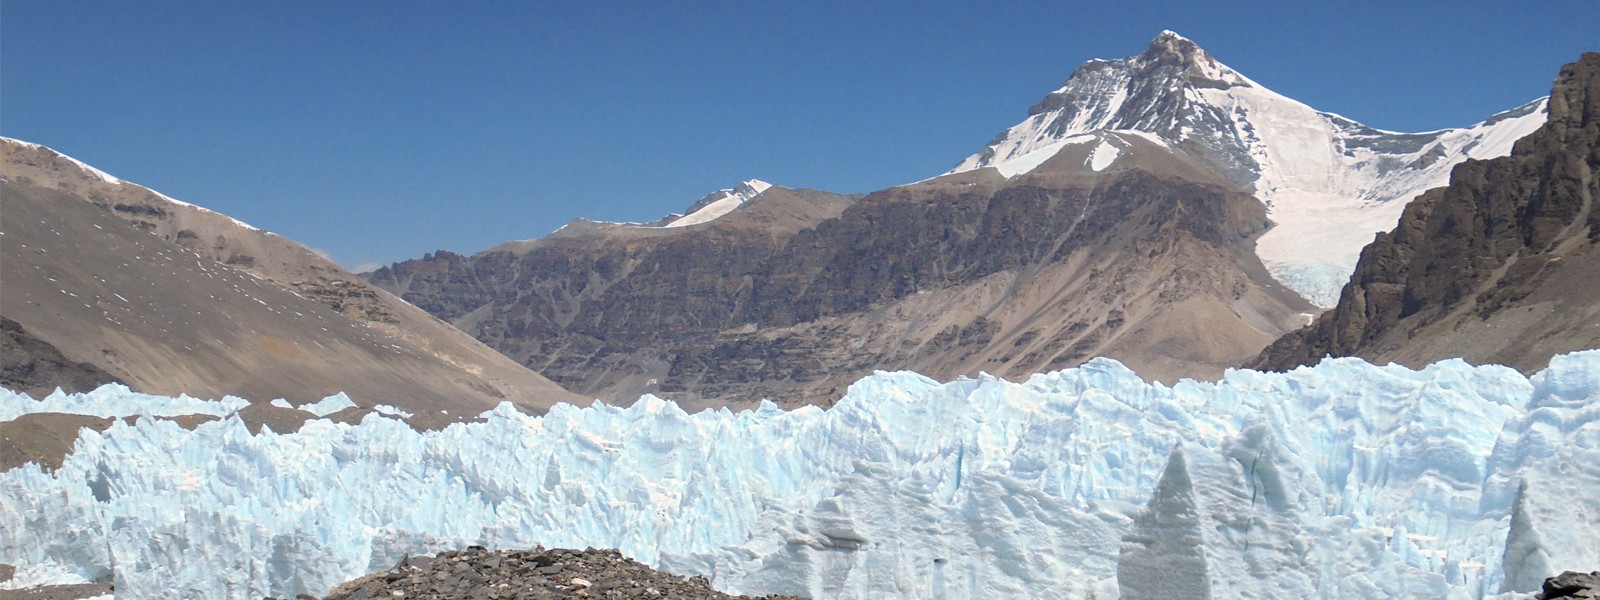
(1571, 584)
(479, 574)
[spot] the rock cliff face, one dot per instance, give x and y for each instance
(1146, 259)
(107, 280)
(1498, 267)
(609, 306)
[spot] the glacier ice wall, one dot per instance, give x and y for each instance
(1340, 480)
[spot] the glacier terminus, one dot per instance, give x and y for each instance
(1340, 480)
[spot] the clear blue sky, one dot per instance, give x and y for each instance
(377, 131)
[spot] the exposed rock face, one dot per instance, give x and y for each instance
(1147, 261)
(605, 307)
(532, 574)
(1498, 267)
(125, 284)
(32, 365)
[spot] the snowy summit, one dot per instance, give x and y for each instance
(720, 202)
(1329, 182)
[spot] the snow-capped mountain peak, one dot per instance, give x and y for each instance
(1169, 48)
(720, 202)
(1329, 182)
(709, 208)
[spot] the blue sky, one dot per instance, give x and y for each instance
(378, 131)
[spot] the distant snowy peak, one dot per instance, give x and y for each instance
(709, 208)
(14, 162)
(720, 202)
(1329, 182)
(1146, 93)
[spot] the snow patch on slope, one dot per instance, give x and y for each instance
(713, 206)
(1103, 155)
(1030, 161)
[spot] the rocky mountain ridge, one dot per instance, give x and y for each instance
(1116, 245)
(1496, 268)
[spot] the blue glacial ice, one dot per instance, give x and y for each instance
(1340, 480)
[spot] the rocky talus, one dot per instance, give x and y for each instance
(537, 574)
(1498, 267)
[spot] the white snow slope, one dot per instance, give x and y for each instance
(721, 202)
(1330, 183)
(708, 208)
(1340, 480)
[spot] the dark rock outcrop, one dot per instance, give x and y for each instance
(478, 574)
(1498, 267)
(1571, 584)
(29, 364)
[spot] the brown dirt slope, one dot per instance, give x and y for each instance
(168, 298)
(1498, 267)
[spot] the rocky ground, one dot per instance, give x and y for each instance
(52, 592)
(479, 574)
(1571, 584)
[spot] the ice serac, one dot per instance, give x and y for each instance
(1498, 267)
(1551, 458)
(1340, 480)
(1329, 182)
(1164, 555)
(1222, 523)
